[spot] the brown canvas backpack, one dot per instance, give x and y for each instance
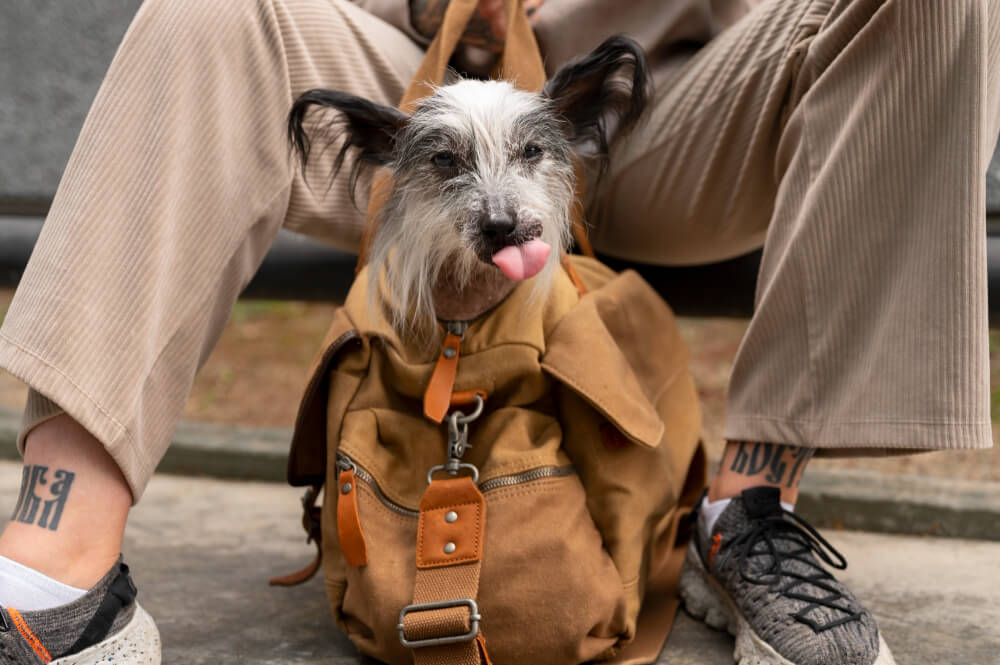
(514, 495)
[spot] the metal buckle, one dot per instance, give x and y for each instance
(457, 467)
(474, 619)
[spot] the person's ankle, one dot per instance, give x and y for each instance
(710, 511)
(70, 515)
(721, 491)
(748, 464)
(80, 567)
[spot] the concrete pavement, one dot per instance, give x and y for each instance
(202, 550)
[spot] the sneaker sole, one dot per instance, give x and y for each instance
(138, 643)
(706, 600)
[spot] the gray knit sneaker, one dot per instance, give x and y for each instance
(105, 625)
(759, 578)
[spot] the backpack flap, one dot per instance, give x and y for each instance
(630, 418)
(634, 369)
(616, 350)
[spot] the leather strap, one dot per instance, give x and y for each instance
(574, 276)
(313, 527)
(576, 212)
(349, 531)
(377, 196)
(300, 576)
(450, 537)
(437, 396)
(462, 398)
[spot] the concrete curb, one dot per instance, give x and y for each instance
(901, 503)
(217, 451)
(829, 498)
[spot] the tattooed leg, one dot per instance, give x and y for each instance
(70, 513)
(748, 464)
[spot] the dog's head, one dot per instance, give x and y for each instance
(482, 172)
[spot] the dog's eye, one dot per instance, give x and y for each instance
(532, 152)
(443, 160)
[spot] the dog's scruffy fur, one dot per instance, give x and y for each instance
(473, 153)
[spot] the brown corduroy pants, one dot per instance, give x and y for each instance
(849, 137)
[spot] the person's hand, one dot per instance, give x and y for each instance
(487, 30)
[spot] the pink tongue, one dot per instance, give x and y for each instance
(522, 261)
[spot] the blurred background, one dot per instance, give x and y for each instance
(53, 56)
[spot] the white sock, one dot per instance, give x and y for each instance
(28, 590)
(710, 511)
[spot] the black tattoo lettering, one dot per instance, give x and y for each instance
(756, 466)
(801, 456)
(20, 497)
(778, 466)
(53, 508)
(29, 502)
(781, 462)
(741, 459)
(33, 477)
(753, 463)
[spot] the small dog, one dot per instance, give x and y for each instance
(482, 179)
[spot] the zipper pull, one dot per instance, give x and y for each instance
(437, 397)
(349, 532)
(343, 463)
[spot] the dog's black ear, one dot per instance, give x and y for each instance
(603, 94)
(368, 127)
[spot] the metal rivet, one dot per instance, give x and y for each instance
(449, 548)
(451, 516)
(449, 352)
(346, 488)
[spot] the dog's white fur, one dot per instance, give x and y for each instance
(473, 157)
(427, 234)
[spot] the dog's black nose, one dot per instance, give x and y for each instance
(497, 227)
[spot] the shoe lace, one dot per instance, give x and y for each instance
(806, 541)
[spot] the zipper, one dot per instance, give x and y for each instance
(525, 477)
(344, 463)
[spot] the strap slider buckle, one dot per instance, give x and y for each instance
(474, 619)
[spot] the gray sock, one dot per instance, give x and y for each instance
(59, 628)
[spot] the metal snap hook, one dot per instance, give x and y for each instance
(458, 467)
(463, 419)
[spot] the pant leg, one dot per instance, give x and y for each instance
(852, 138)
(179, 182)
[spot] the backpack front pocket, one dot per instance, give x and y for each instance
(547, 588)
